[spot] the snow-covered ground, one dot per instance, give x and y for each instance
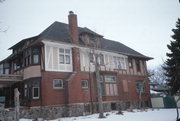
(149, 115)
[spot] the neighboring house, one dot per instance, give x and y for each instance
(57, 69)
(159, 89)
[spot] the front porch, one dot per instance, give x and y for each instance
(7, 85)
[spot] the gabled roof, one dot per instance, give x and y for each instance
(60, 32)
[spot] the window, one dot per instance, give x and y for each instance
(101, 58)
(119, 62)
(35, 59)
(110, 78)
(84, 84)
(35, 90)
(1, 68)
(130, 62)
(6, 68)
(140, 87)
(27, 57)
(138, 65)
(91, 57)
(64, 56)
(35, 55)
(25, 90)
(57, 83)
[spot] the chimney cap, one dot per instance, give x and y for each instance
(71, 12)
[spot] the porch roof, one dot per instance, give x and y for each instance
(9, 79)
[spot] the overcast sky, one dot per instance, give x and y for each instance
(143, 25)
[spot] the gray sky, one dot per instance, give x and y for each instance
(144, 25)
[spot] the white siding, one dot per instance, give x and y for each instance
(52, 57)
(108, 60)
(157, 102)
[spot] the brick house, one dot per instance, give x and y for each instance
(57, 69)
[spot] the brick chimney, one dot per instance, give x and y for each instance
(73, 27)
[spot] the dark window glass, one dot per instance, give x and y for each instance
(84, 84)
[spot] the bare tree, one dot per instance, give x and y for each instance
(140, 92)
(99, 90)
(93, 43)
(157, 75)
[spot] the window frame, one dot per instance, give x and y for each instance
(64, 56)
(119, 62)
(61, 87)
(33, 93)
(1, 68)
(108, 81)
(101, 59)
(91, 58)
(33, 53)
(35, 85)
(84, 87)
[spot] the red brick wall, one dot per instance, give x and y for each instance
(77, 94)
(132, 93)
(49, 95)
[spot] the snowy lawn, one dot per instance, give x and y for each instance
(149, 115)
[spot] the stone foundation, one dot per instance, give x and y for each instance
(52, 112)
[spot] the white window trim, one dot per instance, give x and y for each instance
(57, 87)
(33, 93)
(64, 54)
